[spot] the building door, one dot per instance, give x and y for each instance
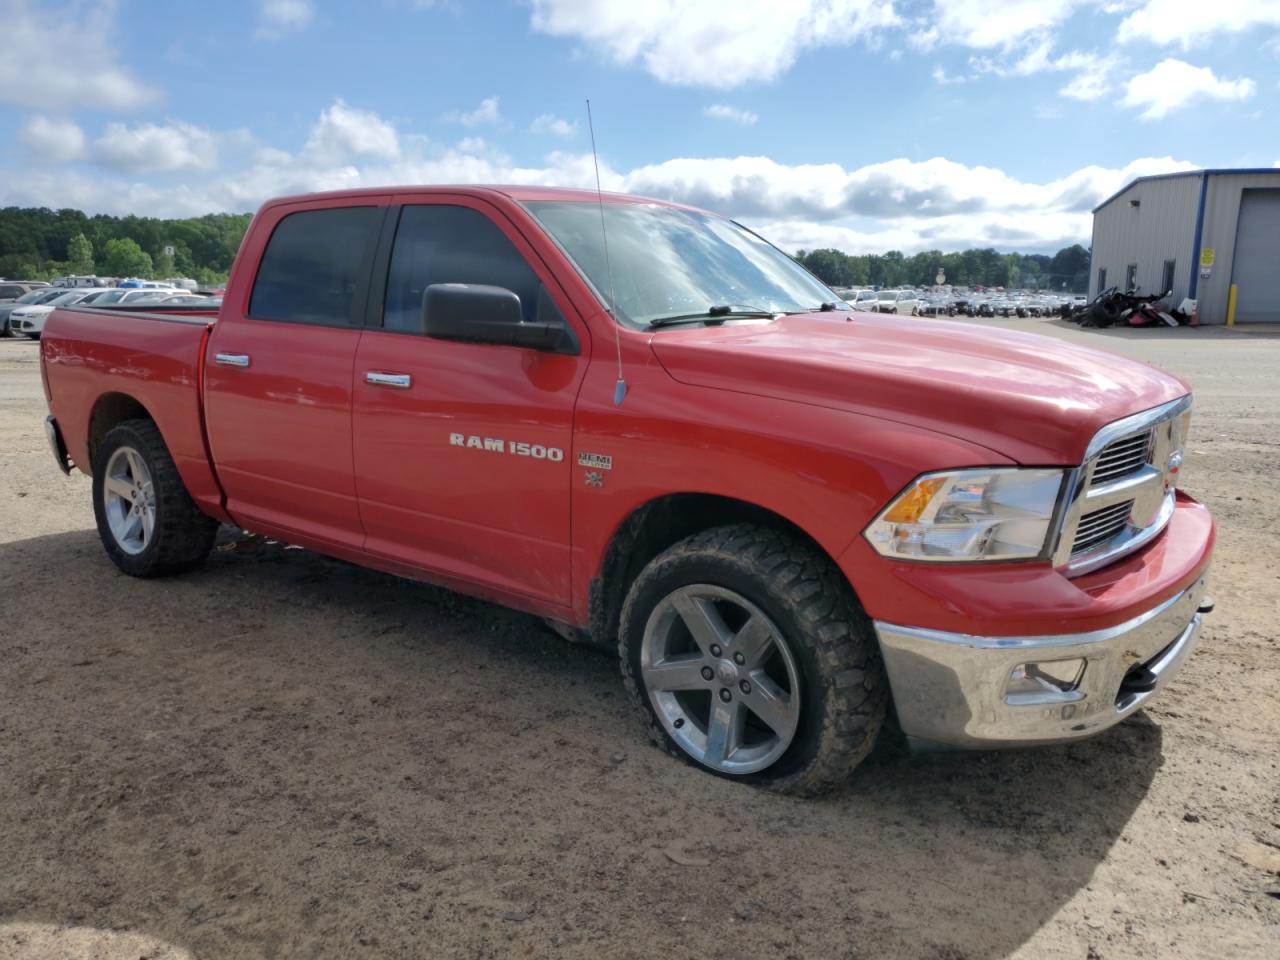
(1255, 268)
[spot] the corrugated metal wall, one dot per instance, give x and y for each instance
(1160, 228)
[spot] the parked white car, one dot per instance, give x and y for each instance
(43, 295)
(862, 299)
(80, 283)
(897, 301)
(29, 320)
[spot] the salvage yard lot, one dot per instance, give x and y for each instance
(285, 756)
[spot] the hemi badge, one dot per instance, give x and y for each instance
(595, 461)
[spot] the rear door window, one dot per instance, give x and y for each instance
(440, 243)
(314, 269)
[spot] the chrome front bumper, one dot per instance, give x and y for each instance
(954, 688)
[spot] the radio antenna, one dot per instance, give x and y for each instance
(620, 388)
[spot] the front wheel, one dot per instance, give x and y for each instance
(750, 657)
(147, 521)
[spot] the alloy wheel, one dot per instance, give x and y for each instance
(721, 678)
(128, 495)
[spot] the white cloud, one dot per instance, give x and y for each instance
(1172, 84)
(551, 125)
(721, 111)
(53, 140)
(712, 43)
(898, 204)
(1089, 84)
(487, 114)
(1018, 40)
(156, 148)
(1187, 22)
(278, 17)
(986, 25)
(344, 132)
(47, 68)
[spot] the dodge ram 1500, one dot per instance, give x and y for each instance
(787, 517)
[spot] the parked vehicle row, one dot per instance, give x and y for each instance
(173, 283)
(958, 302)
(26, 316)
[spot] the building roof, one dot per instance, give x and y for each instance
(1208, 172)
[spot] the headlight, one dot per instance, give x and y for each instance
(994, 514)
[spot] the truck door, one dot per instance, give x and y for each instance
(462, 449)
(279, 367)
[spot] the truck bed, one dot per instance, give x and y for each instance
(96, 359)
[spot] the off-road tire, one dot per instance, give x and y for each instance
(183, 536)
(845, 692)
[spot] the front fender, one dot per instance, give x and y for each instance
(826, 471)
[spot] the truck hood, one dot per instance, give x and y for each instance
(1033, 399)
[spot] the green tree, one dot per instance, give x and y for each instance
(80, 254)
(1070, 266)
(124, 258)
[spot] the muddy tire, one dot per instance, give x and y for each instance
(749, 656)
(148, 523)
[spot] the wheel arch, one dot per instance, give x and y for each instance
(109, 411)
(654, 526)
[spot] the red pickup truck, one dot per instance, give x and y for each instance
(647, 425)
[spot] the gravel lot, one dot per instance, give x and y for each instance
(284, 756)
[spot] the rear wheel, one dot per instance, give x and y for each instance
(147, 521)
(750, 657)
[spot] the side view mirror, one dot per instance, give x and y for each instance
(478, 313)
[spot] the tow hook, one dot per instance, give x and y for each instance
(1138, 680)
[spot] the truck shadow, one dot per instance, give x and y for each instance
(285, 755)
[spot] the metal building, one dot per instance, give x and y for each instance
(1211, 235)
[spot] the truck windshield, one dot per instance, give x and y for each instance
(671, 262)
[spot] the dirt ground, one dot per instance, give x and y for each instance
(285, 756)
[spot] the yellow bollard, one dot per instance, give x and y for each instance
(1231, 305)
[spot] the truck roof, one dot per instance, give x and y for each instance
(512, 191)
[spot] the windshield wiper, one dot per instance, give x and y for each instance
(715, 314)
(826, 307)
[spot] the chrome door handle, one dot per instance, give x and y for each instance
(401, 380)
(231, 359)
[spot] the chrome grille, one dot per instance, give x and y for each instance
(1122, 495)
(1101, 525)
(1122, 457)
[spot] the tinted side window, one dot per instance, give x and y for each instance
(443, 244)
(313, 266)
(14, 292)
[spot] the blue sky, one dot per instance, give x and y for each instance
(862, 124)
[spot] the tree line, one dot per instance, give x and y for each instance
(39, 244)
(1067, 270)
